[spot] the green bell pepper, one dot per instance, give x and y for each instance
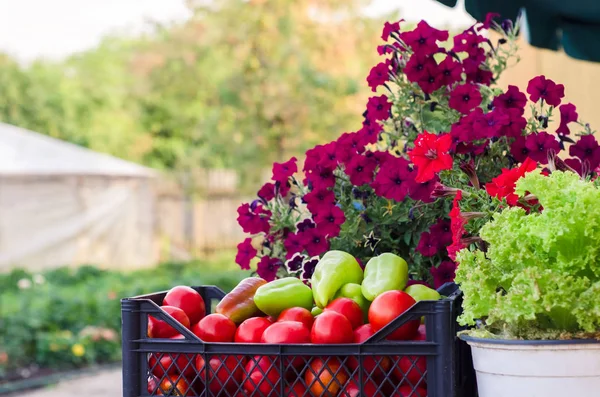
(385, 272)
(354, 292)
(335, 269)
(316, 311)
(278, 295)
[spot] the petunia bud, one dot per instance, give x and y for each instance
(507, 25)
(469, 169)
(472, 215)
(443, 191)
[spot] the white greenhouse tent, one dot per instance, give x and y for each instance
(61, 204)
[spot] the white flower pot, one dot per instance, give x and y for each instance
(512, 368)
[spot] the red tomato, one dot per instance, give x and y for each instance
(349, 308)
(251, 330)
(160, 329)
(165, 363)
(331, 327)
(325, 378)
(172, 385)
(299, 314)
(225, 372)
(404, 369)
(298, 390)
(263, 375)
(352, 389)
(389, 305)
(373, 366)
(407, 391)
(188, 300)
(286, 332)
(152, 385)
(421, 333)
(215, 328)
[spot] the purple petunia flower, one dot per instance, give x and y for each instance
(267, 268)
(423, 39)
(294, 264)
(568, 114)
(444, 273)
(360, 169)
(245, 253)
(348, 145)
(315, 241)
(516, 123)
(541, 88)
(417, 65)
(329, 221)
(378, 107)
(450, 71)
(464, 98)
(427, 246)
(389, 28)
(442, 232)
(519, 150)
(308, 267)
(422, 191)
(369, 133)
(587, 149)
(430, 80)
(305, 224)
(513, 98)
(378, 75)
(540, 144)
(254, 219)
(282, 171)
(319, 198)
(293, 244)
(393, 180)
(267, 191)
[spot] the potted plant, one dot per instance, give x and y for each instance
(533, 290)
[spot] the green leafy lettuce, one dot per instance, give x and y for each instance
(540, 275)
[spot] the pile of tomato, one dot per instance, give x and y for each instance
(341, 322)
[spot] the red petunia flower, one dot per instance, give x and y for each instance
(540, 144)
(267, 191)
(457, 226)
(267, 268)
(424, 38)
(282, 171)
(503, 186)
(379, 75)
(389, 28)
(315, 241)
(587, 150)
(427, 246)
(393, 179)
(319, 198)
(513, 98)
(568, 114)
(360, 169)
(541, 88)
(464, 98)
(254, 220)
(378, 108)
(443, 274)
(430, 155)
(293, 244)
(329, 221)
(245, 253)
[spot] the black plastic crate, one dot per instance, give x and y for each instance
(377, 367)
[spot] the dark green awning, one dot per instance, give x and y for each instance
(573, 25)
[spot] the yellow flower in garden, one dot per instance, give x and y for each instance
(78, 349)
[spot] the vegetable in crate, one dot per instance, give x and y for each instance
(215, 328)
(331, 327)
(389, 305)
(334, 269)
(299, 314)
(251, 330)
(278, 295)
(326, 377)
(188, 300)
(239, 304)
(385, 272)
(354, 292)
(421, 292)
(349, 309)
(161, 329)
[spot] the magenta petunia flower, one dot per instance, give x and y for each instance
(541, 88)
(489, 18)
(490, 124)
(393, 179)
(513, 98)
(312, 158)
(464, 98)
(468, 42)
(378, 107)
(294, 263)
(587, 150)
(379, 75)
(319, 198)
(519, 150)
(305, 224)
(267, 268)
(427, 245)
(254, 220)
(360, 169)
(389, 28)
(421, 191)
(516, 123)
(322, 177)
(348, 145)
(369, 133)
(442, 232)
(540, 144)
(480, 76)
(424, 38)
(450, 71)
(315, 241)
(576, 165)
(329, 156)
(293, 244)
(568, 114)
(308, 268)
(329, 221)
(245, 253)
(267, 191)
(430, 80)
(444, 273)
(282, 171)
(417, 66)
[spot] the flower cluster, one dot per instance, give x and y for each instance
(440, 149)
